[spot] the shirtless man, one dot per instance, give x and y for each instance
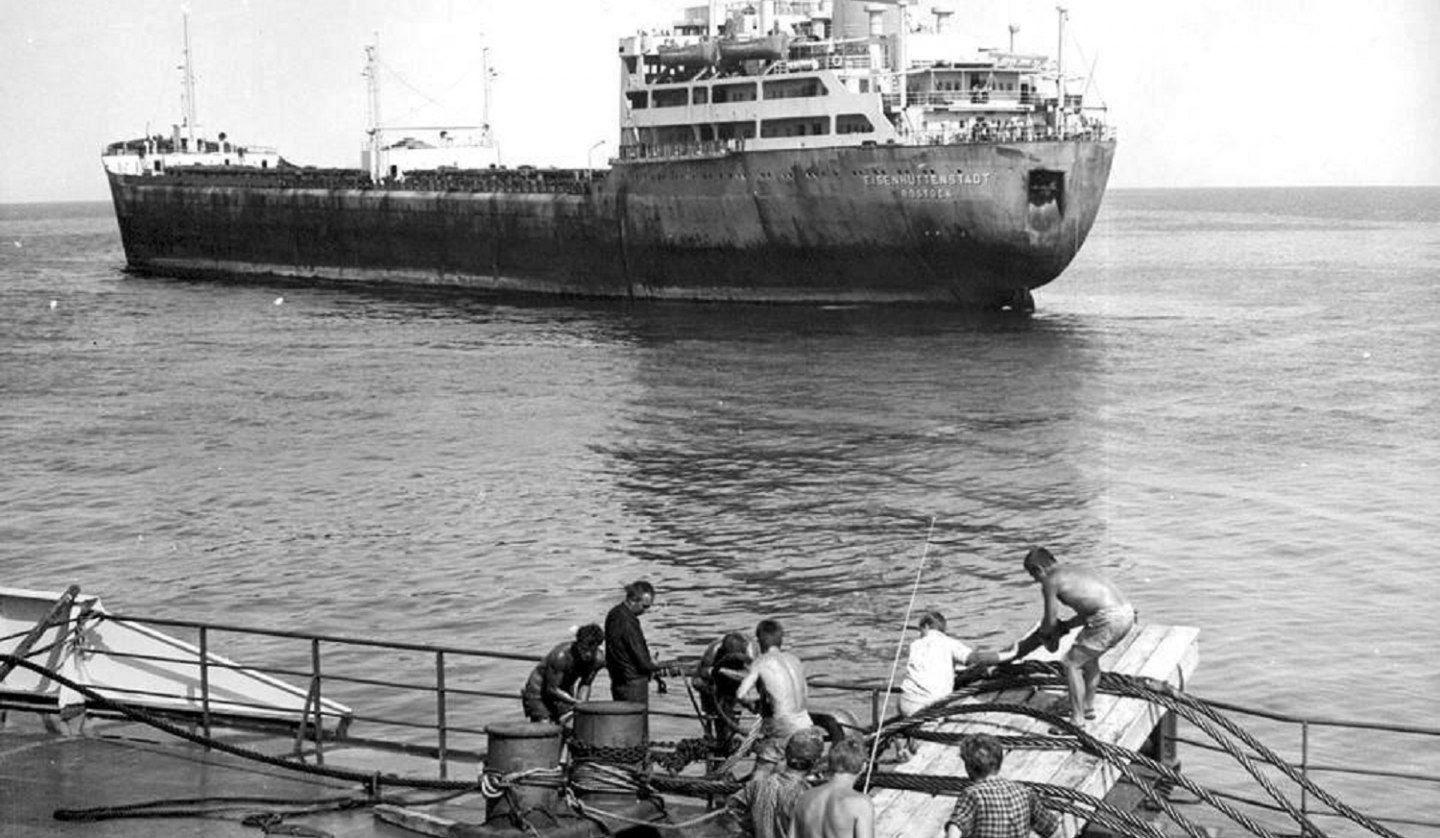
(1107, 614)
(781, 680)
(551, 691)
(835, 809)
(716, 677)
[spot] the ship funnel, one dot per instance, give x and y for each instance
(942, 19)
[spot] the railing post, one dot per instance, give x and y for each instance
(1304, 762)
(205, 684)
(319, 708)
(440, 710)
(875, 710)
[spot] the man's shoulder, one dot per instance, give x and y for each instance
(993, 787)
(769, 659)
(955, 642)
(856, 802)
(616, 616)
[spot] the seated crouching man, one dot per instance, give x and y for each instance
(992, 806)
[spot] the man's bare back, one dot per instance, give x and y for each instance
(834, 810)
(1083, 590)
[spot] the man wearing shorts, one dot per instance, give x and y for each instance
(1107, 614)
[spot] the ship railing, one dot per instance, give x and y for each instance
(289, 177)
(1319, 748)
(1001, 132)
(1003, 100)
(660, 152)
(522, 180)
(435, 700)
(431, 701)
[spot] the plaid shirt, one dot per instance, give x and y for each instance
(764, 807)
(998, 808)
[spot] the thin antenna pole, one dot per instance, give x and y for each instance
(895, 665)
(189, 90)
(1060, 63)
(485, 71)
(372, 84)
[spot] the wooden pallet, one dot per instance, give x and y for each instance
(1165, 653)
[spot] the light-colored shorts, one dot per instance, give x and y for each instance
(1104, 629)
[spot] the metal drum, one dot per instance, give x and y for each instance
(608, 734)
(522, 746)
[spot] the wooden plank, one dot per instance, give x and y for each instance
(1131, 720)
(1161, 652)
(1127, 723)
(1130, 653)
(1129, 656)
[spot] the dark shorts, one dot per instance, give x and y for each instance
(538, 709)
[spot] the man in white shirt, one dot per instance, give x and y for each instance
(934, 657)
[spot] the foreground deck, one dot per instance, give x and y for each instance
(1164, 653)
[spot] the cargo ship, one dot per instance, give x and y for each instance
(809, 151)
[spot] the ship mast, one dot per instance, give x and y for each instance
(188, 91)
(1060, 66)
(485, 113)
(372, 86)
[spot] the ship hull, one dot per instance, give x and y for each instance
(975, 224)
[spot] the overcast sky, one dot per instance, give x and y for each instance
(1205, 93)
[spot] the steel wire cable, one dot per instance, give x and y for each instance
(1119, 758)
(1220, 728)
(1190, 707)
(1028, 675)
(1034, 673)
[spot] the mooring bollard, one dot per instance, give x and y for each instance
(518, 747)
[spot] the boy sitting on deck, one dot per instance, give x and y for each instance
(934, 657)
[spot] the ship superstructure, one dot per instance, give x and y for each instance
(186, 144)
(806, 151)
(820, 74)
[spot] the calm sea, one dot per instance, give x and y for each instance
(1228, 403)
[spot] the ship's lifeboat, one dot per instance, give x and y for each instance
(768, 48)
(702, 54)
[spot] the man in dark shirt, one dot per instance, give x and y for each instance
(721, 668)
(627, 656)
(993, 807)
(550, 691)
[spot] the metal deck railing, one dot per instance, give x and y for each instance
(434, 701)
